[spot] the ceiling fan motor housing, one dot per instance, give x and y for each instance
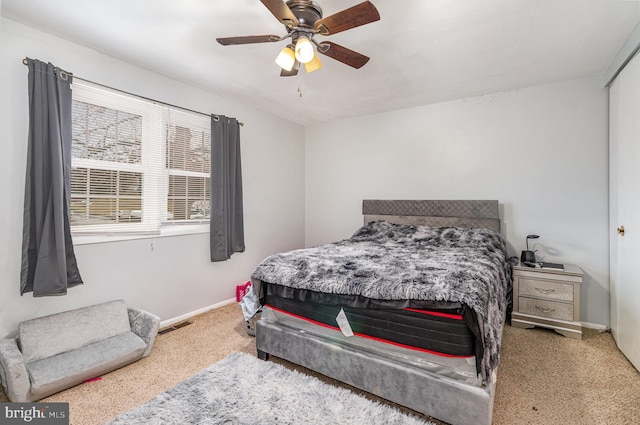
(307, 12)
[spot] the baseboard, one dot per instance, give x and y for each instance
(596, 326)
(186, 316)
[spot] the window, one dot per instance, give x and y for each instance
(136, 165)
(189, 164)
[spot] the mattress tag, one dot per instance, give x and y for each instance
(343, 323)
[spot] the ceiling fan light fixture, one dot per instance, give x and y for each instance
(287, 58)
(304, 50)
(314, 64)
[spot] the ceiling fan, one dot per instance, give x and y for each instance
(303, 20)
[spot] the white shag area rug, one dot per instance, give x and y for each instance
(243, 390)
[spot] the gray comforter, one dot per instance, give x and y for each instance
(397, 262)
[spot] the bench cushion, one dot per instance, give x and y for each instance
(65, 370)
(42, 337)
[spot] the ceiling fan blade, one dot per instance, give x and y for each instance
(361, 14)
(294, 70)
(248, 39)
(281, 11)
(342, 54)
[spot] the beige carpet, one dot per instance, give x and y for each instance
(543, 378)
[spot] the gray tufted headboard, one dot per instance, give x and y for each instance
(471, 214)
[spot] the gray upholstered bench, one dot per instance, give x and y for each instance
(53, 353)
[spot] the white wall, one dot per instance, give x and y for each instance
(541, 151)
(169, 276)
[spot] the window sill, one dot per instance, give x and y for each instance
(167, 230)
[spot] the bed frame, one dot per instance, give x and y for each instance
(426, 392)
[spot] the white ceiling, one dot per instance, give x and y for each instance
(422, 51)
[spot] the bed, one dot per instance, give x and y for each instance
(410, 308)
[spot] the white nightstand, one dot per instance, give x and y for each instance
(548, 298)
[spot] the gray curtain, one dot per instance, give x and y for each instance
(49, 264)
(227, 227)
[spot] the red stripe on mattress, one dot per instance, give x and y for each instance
(435, 313)
(386, 341)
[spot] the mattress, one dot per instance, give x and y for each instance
(398, 267)
(438, 331)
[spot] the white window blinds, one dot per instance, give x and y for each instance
(188, 161)
(135, 164)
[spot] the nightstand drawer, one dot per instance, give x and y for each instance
(542, 308)
(546, 289)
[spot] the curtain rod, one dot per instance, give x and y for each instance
(24, 61)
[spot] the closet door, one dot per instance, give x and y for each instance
(624, 145)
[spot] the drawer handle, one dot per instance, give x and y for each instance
(546, 291)
(545, 310)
